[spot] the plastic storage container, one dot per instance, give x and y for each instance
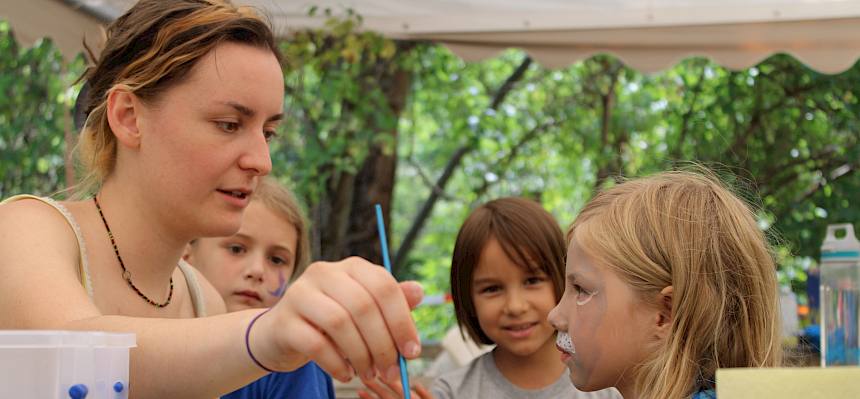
(64, 364)
(840, 297)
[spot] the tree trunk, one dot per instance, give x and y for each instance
(353, 231)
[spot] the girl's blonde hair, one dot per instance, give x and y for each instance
(151, 47)
(281, 201)
(686, 230)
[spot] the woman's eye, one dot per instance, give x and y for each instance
(229, 127)
(270, 135)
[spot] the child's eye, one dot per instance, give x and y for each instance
(534, 280)
(583, 296)
(236, 249)
(490, 289)
(278, 261)
(270, 135)
(228, 126)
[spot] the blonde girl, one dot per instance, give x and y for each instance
(669, 278)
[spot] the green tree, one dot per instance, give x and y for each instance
(36, 94)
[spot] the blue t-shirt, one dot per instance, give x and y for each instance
(704, 394)
(309, 381)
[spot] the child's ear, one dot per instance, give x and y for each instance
(664, 315)
(123, 112)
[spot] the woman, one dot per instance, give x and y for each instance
(183, 101)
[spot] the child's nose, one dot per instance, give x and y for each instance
(254, 269)
(555, 319)
(516, 303)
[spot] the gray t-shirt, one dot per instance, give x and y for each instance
(482, 379)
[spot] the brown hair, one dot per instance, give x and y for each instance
(687, 230)
(527, 233)
(151, 47)
(281, 201)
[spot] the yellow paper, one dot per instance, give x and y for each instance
(789, 383)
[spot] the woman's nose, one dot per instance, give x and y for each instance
(256, 157)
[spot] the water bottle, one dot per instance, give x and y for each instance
(840, 297)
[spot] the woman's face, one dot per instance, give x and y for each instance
(204, 141)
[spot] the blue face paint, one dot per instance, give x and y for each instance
(282, 285)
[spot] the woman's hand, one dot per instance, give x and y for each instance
(349, 317)
(379, 388)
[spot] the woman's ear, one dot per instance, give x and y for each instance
(188, 254)
(664, 314)
(123, 111)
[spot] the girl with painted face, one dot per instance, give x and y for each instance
(183, 100)
(506, 274)
(252, 269)
(669, 278)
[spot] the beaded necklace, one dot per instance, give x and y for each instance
(125, 273)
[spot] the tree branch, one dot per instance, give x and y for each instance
(503, 162)
(452, 165)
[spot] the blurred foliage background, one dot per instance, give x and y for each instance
(413, 127)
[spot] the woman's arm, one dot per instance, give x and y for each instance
(350, 307)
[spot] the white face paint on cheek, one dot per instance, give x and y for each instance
(563, 341)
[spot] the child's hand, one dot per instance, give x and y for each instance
(348, 316)
(385, 389)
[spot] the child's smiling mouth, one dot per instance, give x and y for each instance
(521, 330)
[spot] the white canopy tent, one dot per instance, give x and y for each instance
(648, 35)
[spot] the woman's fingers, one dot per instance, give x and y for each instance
(350, 309)
(300, 337)
(391, 300)
(378, 349)
(414, 293)
(329, 315)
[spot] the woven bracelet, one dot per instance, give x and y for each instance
(248, 341)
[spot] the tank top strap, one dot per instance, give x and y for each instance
(194, 290)
(83, 265)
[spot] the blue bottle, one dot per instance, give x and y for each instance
(840, 297)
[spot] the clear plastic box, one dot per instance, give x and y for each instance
(64, 364)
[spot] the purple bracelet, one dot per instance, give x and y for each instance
(248, 342)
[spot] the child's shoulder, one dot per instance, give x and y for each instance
(458, 382)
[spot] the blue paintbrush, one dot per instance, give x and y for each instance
(380, 224)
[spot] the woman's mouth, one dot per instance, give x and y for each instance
(237, 197)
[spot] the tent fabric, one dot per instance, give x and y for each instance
(648, 35)
(66, 24)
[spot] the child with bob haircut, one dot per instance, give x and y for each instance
(669, 278)
(507, 273)
(252, 269)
